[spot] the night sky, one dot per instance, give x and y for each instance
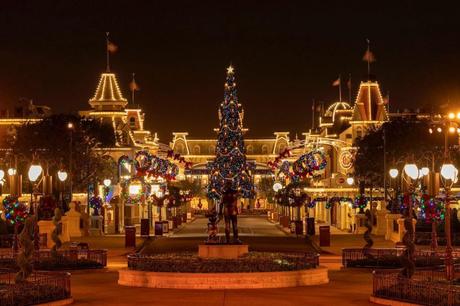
(285, 54)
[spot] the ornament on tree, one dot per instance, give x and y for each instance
(230, 165)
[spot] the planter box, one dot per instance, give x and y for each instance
(255, 280)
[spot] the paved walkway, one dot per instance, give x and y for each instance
(346, 287)
(247, 226)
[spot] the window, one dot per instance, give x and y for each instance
(196, 150)
(250, 149)
(212, 150)
(264, 149)
(132, 122)
(180, 148)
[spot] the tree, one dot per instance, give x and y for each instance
(50, 139)
(405, 140)
(265, 188)
(230, 166)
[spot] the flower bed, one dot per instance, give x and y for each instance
(40, 287)
(252, 262)
(67, 260)
(389, 258)
(425, 288)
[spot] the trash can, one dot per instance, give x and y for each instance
(130, 236)
(145, 228)
(159, 228)
(298, 227)
(311, 226)
(324, 236)
(165, 227)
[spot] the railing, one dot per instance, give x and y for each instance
(40, 287)
(424, 288)
(381, 256)
(98, 256)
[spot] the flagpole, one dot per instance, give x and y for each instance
(349, 88)
(107, 50)
(340, 88)
(313, 115)
(133, 89)
(368, 59)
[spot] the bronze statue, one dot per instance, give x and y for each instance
(229, 208)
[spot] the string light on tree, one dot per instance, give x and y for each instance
(230, 163)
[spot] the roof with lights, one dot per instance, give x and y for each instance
(338, 108)
(108, 94)
(369, 105)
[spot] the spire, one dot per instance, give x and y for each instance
(369, 105)
(108, 95)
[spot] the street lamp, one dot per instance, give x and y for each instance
(277, 187)
(62, 175)
(11, 171)
(107, 182)
(35, 171)
(2, 174)
(450, 175)
(411, 170)
(424, 171)
(394, 173)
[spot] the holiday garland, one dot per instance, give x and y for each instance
(360, 201)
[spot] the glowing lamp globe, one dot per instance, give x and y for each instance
(350, 180)
(11, 171)
(411, 171)
(425, 171)
(62, 175)
(449, 172)
(2, 174)
(107, 182)
(34, 172)
(394, 173)
(277, 187)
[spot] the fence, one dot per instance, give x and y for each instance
(381, 256)
(98, 256)
(40, 287)
(424, 288)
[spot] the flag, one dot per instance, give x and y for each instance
(386, 100)
(111, 47)
(369, 57)
(133, 86)
(349, 82)
(336, 82)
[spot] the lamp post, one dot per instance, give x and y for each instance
(412, 172)
(62, 176)
(34, 173)
(393, 175)
(449, 176)
(70, 127)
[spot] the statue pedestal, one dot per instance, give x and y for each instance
(225, 251)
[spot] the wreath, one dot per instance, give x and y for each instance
(310, 162)
(142, 162)
(15, 212)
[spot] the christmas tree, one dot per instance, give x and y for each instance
(230, 166)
